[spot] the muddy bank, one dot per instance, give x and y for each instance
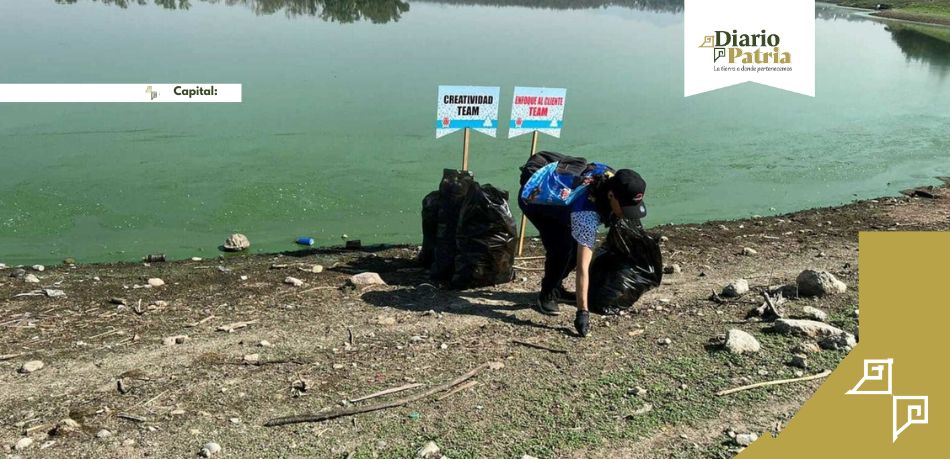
(252, 347)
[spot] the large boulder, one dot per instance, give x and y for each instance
(236, 243)
(739, 342)
(819, 283)
(828, 337)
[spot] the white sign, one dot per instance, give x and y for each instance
(142, 92)
(537, 109)
(729, 42)
(460, 107)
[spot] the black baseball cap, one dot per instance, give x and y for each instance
(628, 187)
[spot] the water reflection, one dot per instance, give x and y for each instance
(918, 45)
(383, 11)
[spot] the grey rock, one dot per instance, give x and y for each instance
(819, 283)
(31, 366)
(23, 443)
(815, 314)
(799, 360)
(809, 328)
(366, 279)
(293, 281)
(429, 451)
(807, 347)
(746, 439)
(739, 342)
(209, 449)
(236, 243)
(173, 340)
(672, 269)
(844, 341)
(39, 268)
(31, 279)
(155, 282)
(104, 433)
(735, 289)
(749, 251)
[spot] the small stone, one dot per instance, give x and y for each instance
(672, 269)
(843, 340)
(196, 259)
(819, 283)
(155, 282)
(293, 281)
(120, 301)
(209, 448)
(815, 314)
(664, 341)
(798, 373)
(177, 412)
(39, 268)
(2, 266)
(31, 366)
(683, 386)
(65, 427)
(102, 434)
(234, 420)
(429, 451)
(23, 443)
(366, 279)
(664, 239)
(746, 439)
(495, 365)
(749, 251)
(31, 279)
(526, 456)
(735, 289)
(855, 313)
(128, 442)
(264, 343)
(236, 243)
(317, 269)
(637, 391)
(386, 320)
(799, 360)
(252, 359)
(644, 409)
(338, 366)
(173, 340)
(443, 346)
(739, 342)
(807, 347)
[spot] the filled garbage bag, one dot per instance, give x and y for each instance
(453, 190)
(486, 239)
(625, 266)
(430, 228)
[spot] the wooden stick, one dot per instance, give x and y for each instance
(131, 417)
(539, 346)
(466, 136)
(525, 268)
(195, 324)
(10, 356)
(236, 325)
(368, 408)
(773, 383)
(524, 220)
(531, 258)
(386, 392)
(457, 389)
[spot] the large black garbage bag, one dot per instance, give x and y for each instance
(453, 190)
(626, 265)
(430, 228)
(486, 239)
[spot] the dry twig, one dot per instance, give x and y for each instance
(774, 383)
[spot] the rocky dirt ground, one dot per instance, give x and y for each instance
(642, 385)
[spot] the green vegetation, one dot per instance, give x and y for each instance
(929, 11)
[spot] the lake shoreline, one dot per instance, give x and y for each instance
(936, 15)
(220, 346)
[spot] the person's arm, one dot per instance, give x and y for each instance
(582, 277)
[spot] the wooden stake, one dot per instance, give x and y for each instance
(774, 383)
(349, 411)
(524, 220)
(466, 136)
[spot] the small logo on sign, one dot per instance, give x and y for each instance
(152, 94)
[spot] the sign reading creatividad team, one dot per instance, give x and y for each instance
(460, 107)
(537, 109)
(729, 42)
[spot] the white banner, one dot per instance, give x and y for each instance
(460, 107)
(143, 92)
(771, 42)
(537, 109)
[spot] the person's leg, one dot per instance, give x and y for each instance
(553, 224)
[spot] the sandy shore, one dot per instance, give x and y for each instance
(346, 342)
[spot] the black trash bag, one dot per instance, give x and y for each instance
(430, 228)
(453, 190)
(486, 239)
(626, 265)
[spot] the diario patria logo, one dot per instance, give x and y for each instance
(758, 48)
(768, 42)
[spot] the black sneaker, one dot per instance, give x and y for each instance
(547, 305)
(565, 296)
(582, 323)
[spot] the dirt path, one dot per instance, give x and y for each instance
(346, 343)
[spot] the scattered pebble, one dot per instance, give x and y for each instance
(104, 433)
(799, 360)
(664, 341)
(293, 281)
(672, 269)
(173, 340)
(264, 343)
(39, 268)
(637, 391)
(23, 443)
(31, 279)
(31, 366)
(746, 439)
(252, 359)
(664, 239)
(807, 347)
(749, 251)
(735, 289)
(209, 448)
(815, 314)
(429, 451)
(366, 279)
(155, 282)
(386, 320)
(128, 442)
(338, 366)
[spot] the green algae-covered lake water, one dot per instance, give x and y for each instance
(335, 131)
